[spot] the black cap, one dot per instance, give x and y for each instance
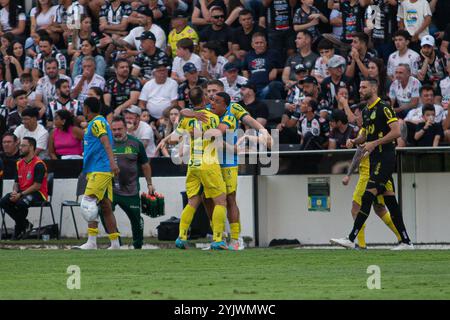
(249, 85)
(160, 63)
(230, 66)
(145, 10)
(146, 35)
(189, 68)
(309, 79)
(300, 68)
(179, 14)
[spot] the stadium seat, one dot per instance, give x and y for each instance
(45, 204)
(276, 110)
(81, 185)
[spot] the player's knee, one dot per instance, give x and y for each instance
(221, 200)
(379, 209)
(89, 209)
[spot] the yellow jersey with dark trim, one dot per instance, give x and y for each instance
(376, 120)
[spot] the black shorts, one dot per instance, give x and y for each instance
(382, 167)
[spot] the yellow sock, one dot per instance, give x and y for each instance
(388, 221)
(234, 230)
(219, 216)
(93, 232)
(186, 218)
(114, 236)
(362, 237)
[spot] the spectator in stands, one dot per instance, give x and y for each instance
(85, 32)
(443, 88)
(336, 23)
(202, 15)
(402, 55)
(31, 128)
(63, 101)
(30, 187)
(212, 61)
(88, 79)
(428, 132)
(65, 141)
(340, 131)
(232, 81)
(42, 16)
(337, 78)
(432, 64)
(358, 60)
(185, 54)
(26, 83)
(180, 30)
(6, 89)
(308, 17)
(140, 129)
(10, 146)
(404, 91)
(144, 64)
(280, 31)
(295, 92)
(45, 88)
(16, 63)
(352, 18)
(377, 70)
(234, 8)
(326, 50)
(241, 38)
(47, 51)
(415, 17)
(192, 80)
(59, 27)
(445, 42)
(257, 108)
(217, 31)
(88, 48)
(159, 93)
(426, 97)
(32, 46)
(123, 90)
(12, 19)
(261, 67)
(304, 56)
(105, 110)
(145, 116)
(114, 17)
(173, 117)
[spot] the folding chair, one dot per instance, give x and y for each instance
(81, 185)
(45, 204)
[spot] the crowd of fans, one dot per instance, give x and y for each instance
(140, 58)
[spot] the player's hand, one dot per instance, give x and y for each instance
(290, 107)
(115, 169)
(345, 180)
(368, 147)
(162, 144)
(350, 143)
(200, 116)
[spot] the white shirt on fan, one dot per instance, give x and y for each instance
(137, 32)
(159, 96)
(413, 15)
(178, 64)
(145, 132)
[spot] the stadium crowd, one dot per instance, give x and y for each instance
(141, 58)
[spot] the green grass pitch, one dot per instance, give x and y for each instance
(248, 274)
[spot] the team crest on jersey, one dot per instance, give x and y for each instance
(28, 175)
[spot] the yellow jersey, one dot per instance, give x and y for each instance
(174, 37)
(202, 148)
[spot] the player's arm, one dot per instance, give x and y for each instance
(105, 142)
(355, 161)
(189, 113)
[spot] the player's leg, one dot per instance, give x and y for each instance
(356, 204)
(89, 210)
(230, 175)
(381, 211)
(110, 223)
(131, 206)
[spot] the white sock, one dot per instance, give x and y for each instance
(115, 243)
(92, 239)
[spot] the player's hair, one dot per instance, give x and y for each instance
(258, 35)
(25, 76)
(93, 104)
(225, 96)
(119, 119)
(67, 116)
(363, 37)
(428, 107)
(325, 44)
(372, 81)
(216, 82)
(30, 112)
(119, 61)
(50, 60)
(196, 96)
(306, 33)
(214, 46)
(402, 33)
(32, 141)
(186, 43)
(60, 82)
(426, 87)
(245, 12)
(18, 93)
(10, 134)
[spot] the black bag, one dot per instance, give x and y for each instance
(168, 230)
(51, 230)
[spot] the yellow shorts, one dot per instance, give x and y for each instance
(361, 188)
(99, 184)
(210, 177)
(230, 176)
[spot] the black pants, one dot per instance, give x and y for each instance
(18, 211)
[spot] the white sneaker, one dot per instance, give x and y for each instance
(87, 246)
(241, 243)
(114, 247)
(403, 246)
(344, 242)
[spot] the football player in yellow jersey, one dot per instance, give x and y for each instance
(203, 170)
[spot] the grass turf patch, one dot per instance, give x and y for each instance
(248, 274)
